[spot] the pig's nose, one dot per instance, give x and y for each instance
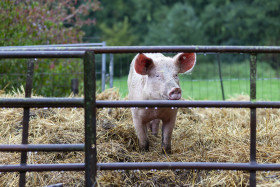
(175, 94)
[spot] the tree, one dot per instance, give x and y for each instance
(180, 26)
(42, 22)
(270, 29)
(120, 33)
(202, 22)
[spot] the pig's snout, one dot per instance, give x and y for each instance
(175, 94)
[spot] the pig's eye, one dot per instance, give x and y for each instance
(157, 75)
(176, 75)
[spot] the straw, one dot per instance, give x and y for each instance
(200, 135)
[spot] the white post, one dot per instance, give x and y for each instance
(111, 70)
(103, 71)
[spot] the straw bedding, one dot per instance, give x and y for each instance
(200, 135)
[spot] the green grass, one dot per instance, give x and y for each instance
(268, 89)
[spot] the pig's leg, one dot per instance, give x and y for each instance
(167, 129)
(141, 130)
(154, 126)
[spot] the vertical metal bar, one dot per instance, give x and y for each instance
(25, 121)
(220, 75)
(253, 121)
(253, 76)
(253, 146)
(90, 119)
(75, 86)
(111, 70)
(103, 72)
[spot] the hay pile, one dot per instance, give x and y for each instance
(200, 135)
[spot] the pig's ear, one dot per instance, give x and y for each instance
(143, 64)
(185, 61)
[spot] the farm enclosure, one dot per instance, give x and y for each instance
(252, 166)
(52, 77)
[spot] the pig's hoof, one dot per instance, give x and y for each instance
(144, 148)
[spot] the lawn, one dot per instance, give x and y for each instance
(267, 89)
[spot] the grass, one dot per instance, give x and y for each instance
(267, 89)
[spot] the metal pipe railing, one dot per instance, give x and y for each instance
(41, 54)
(142, 166)
(187, 165)
(42, 147)
(42, 167)
(160, 49)
(55, 45)
(79, 103)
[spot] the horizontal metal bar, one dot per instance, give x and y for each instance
(42, 147)
(41, 102)
(42, 167)
(41, 54)
(186, 165)
(79, 102)
(168, 103)
(53, 45)
(138, 49)
(55, 185)
(220, 49)
(143, 166)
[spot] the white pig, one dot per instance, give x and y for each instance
(153, 76)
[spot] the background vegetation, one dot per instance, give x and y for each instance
(133, 22)
(30, 22)
(192, 22)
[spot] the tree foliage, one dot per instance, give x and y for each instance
(119, 33)
(42, 22)
(176, 27)
(203, 22)
(192, 22)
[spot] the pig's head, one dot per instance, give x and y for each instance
(162, 82)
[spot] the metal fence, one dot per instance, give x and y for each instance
(89, 103)
(101, 72)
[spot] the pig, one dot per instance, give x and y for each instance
(153, 76)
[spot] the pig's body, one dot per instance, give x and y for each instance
(155, 77)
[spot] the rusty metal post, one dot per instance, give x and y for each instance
(253, 80)
(90, 119)
(253, 76)
(25, 121)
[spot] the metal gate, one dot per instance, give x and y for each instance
(89, 103)
(102, 72)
